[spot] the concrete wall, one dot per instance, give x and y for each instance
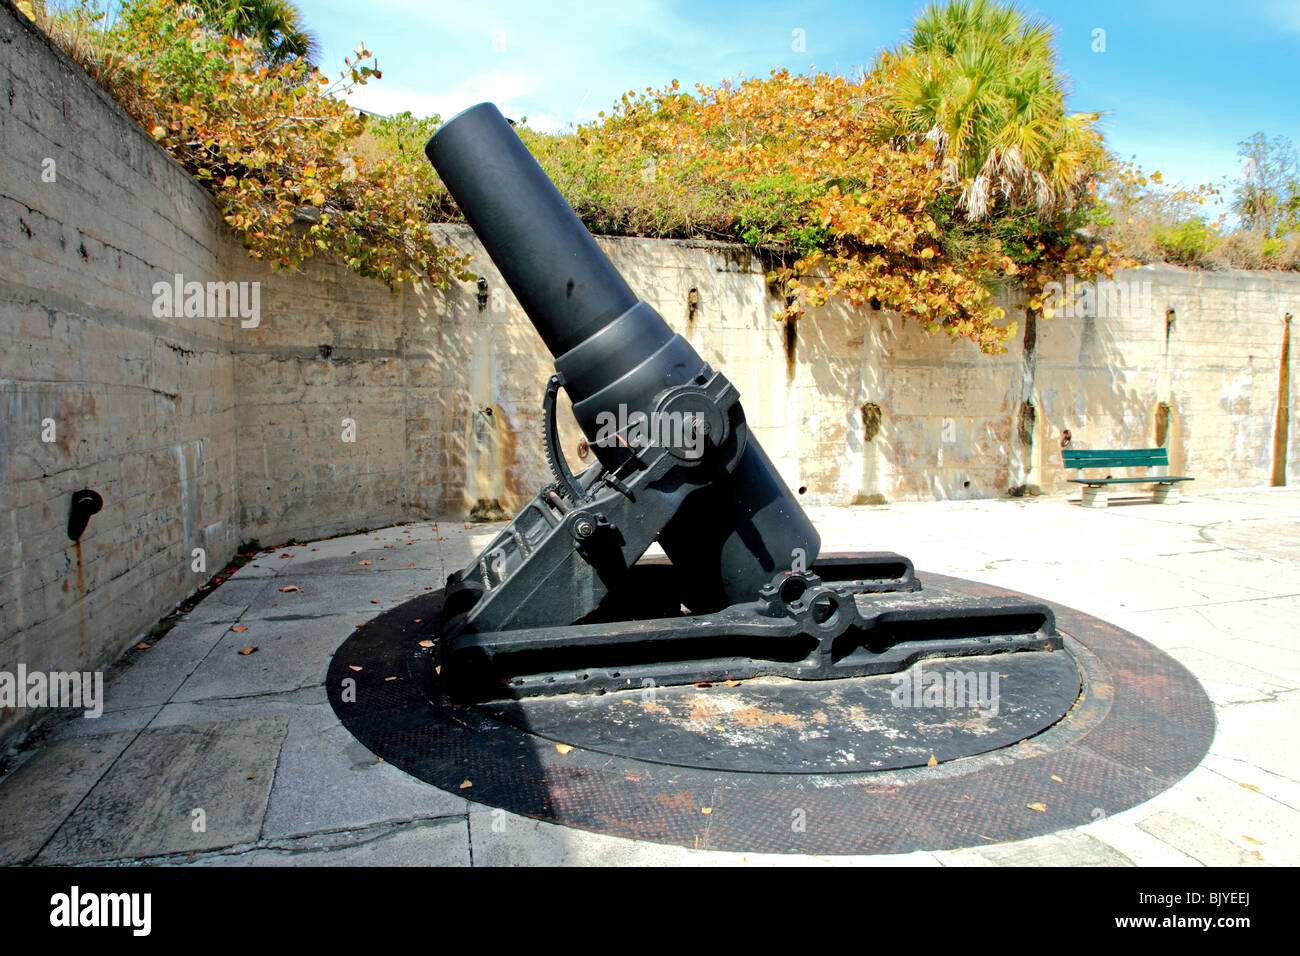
(200, 433)
(141, 409)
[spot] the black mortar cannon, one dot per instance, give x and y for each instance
(561, 601)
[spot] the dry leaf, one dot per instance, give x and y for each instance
(706, 810)
(466, 785)
(417, 620)
(292, 587)
(142, 646)
(426, 643)
(932, 762)
(239, 628)
(1039, 807)
(1252, 840)
(1057, 779)
(733, 683)
(390, 678)
(563, 748)
(374, 602)
(353, 667)
(251, 775)
(363, 562)
(1250, 787)
(248, 650)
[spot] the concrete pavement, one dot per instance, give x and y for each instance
(209, 756)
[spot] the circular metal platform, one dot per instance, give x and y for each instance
(948, 754)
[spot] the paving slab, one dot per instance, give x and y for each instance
(1198, 842)
(425, 843)
(327, 780)
(334, 593)
(291, 653)
(1070, 848)
(37, 798)
(157, 672)
(176, 789)
(230, 600)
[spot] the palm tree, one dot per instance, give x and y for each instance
(979, 79)
(276, 24)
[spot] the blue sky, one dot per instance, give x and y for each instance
(1179, 83)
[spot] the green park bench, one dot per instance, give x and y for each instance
(1095, 489)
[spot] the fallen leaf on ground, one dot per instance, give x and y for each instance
(239, 628)
(932, 762)
(426, 643)
(248, 650)
(142, 646)
(1250, 787)
(1038, 807)
(706, 810)
(390, 678)
(251, 775)
(733, 683)
(466, 785)
(1252, 840)
(353, 667)
(292, 587)
(563, 748)
(1057, 779)
(363, 562)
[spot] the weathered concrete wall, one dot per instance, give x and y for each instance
(97, 392)
(349, 407)
(866, 407)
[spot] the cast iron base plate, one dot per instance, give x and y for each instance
(821, 767)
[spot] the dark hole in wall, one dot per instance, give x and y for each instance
(791, 341)
(1031, 331)
(1163, 415)
(870, 420)
(692, 306)
(1025, 426)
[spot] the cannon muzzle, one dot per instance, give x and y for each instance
(617, 358)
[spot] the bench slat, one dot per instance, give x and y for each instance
(1148, 480)
(1100, 458)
